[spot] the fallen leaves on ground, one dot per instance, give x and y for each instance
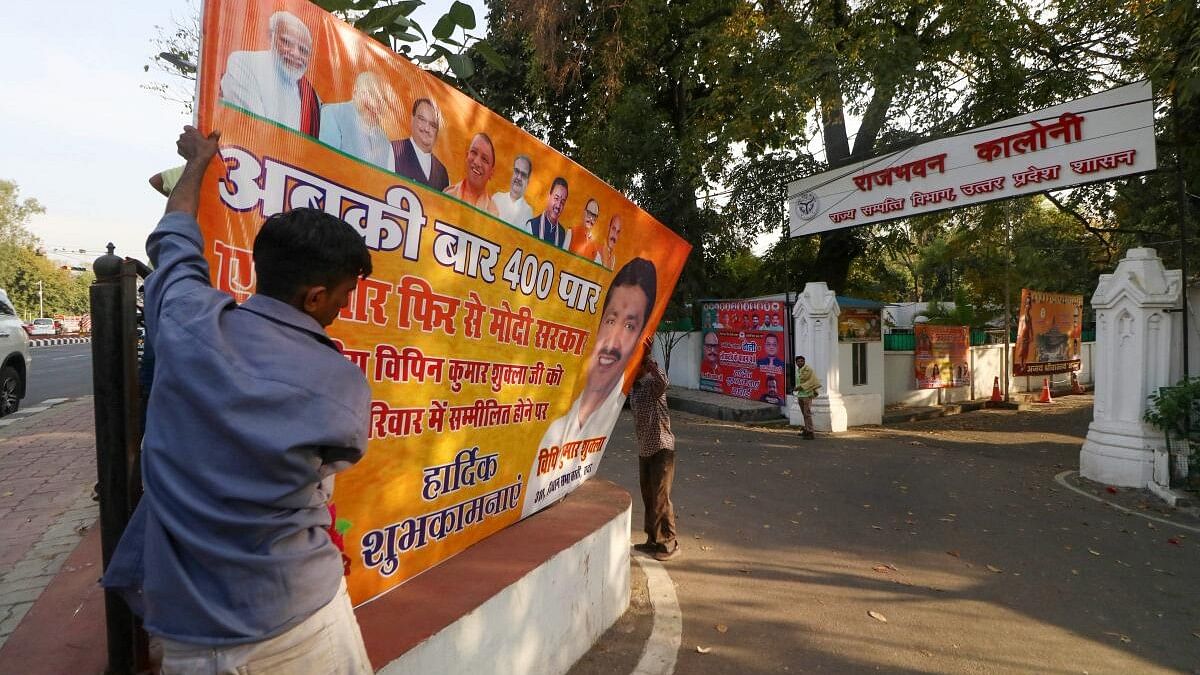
(994, 569)
(953, 553)
(1093, 551)
(721, 628)
(877, 616)
(1120, 636)
(703, 650)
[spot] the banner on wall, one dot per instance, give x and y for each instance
(511, 289)
(1048, 333)
(745, 349)
(859, 325)
(941, 359)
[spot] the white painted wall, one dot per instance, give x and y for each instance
(685, 358)
(542, 623)
(986, 365)
(864, 403)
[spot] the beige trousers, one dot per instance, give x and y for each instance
(328, 642)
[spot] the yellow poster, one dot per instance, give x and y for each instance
(1048, 333)
(511, 289)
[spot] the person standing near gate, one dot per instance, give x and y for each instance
(807, 386)
(227, 557)
(656, 460)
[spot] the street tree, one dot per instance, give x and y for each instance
(23, 267)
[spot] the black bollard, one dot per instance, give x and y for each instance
(118, 437)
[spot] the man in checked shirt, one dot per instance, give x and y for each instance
(656, 463)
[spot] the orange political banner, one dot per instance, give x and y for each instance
(940, 359)
(1048, 333)
(511, 288)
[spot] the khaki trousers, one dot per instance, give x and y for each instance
(656, 473)
(328, 642)
(806, 409)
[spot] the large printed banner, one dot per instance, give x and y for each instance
(745, 349)
(1048, 334)
(1095, 138)
(511, 288)
(940, 360)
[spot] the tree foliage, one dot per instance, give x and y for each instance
(703, 111)
(22, 266)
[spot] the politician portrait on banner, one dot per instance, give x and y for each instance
(498, 356)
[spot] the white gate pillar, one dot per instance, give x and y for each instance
(1134, 340)
(814, 321)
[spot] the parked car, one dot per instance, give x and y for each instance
(14, 357)
(44, 326)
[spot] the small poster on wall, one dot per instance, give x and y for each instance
(859, 325)
(940, 359)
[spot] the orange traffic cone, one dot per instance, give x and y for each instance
(1076, 388)
(1045, 397)
(996, 395)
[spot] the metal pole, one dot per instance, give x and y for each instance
(114, 378)
(1184, 212)
(1007, 300)
(41, 308)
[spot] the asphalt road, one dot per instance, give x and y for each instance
(61, 371)
(955, 531)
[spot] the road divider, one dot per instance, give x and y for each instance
(50, 342)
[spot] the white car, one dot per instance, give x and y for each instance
(42, 326)
(14, 357)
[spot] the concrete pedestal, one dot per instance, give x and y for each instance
(814, 319)
(1134, 340)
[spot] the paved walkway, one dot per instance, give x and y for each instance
(47, 469)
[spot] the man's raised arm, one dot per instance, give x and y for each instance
(197, 150)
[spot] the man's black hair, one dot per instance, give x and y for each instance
(307, 247)
(637, 272)
(559, 180)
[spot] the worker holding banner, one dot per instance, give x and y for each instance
(623, 318)
(226, 557)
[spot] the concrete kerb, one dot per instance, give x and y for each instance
(1061, 479)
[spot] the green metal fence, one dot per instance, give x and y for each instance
(907, 342)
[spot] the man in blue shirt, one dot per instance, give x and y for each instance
(226, 557)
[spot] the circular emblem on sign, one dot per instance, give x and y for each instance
(804, 205)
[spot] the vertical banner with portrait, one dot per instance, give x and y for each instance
(511, 289)
(745, 349)
(1048, 333)
(941, 357)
